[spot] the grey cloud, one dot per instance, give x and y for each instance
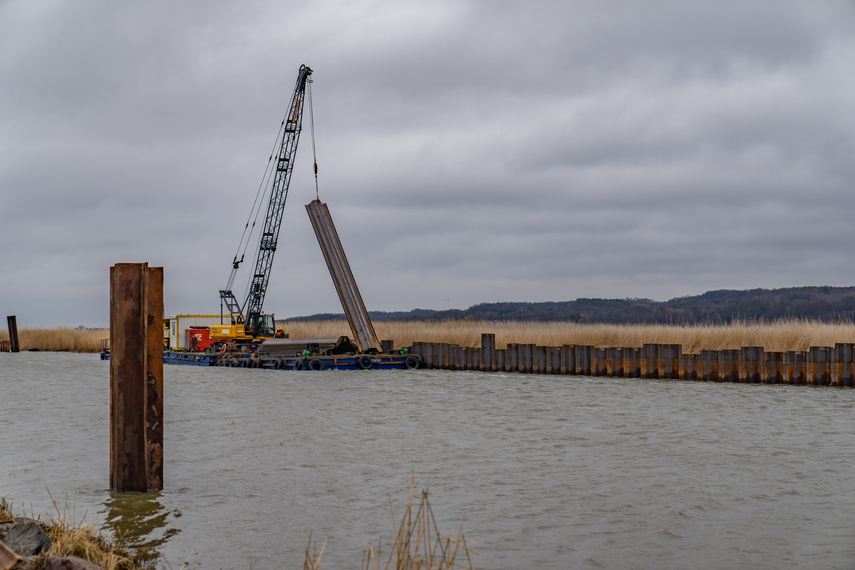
(473, 151)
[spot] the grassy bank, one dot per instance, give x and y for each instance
(778, 336)
(83, 540)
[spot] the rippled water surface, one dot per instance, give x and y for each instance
(541, 471)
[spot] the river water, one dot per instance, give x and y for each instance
(541, 471)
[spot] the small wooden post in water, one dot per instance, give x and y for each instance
(136, 377)
(12, 322)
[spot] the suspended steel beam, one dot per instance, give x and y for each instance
(345, 284)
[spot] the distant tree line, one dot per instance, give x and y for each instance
(827, 304)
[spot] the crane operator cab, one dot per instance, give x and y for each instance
(265, 327)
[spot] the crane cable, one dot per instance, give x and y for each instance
(312, 124)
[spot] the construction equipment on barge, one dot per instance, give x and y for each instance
(248, 323)
(249, 338)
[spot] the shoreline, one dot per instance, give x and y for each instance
(781, 336)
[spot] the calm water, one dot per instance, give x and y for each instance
(542, 471)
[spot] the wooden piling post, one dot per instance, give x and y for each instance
(136, 377)
(12, 323)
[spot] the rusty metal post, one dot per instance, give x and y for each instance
(488, 352)
(554, 360)
(650, 366)
(416, 348)
(539, 363)
(501, 360)
(427, 354)
(752, 368)
(709, 365)
(526, 358)
(611, 361)
(776, 371)
(440, 355)
(584, 360)
(797, 367)
(568, 359)
(474, 359)
(820, 365)
(512, 357)
(12, 323)
(728, 366)
(844, 363)
(136, 377)
(601, 357)
(689, 366)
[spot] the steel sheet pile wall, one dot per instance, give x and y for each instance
(819, 366)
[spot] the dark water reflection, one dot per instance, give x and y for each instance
(140, 522)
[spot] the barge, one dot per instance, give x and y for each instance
(297, 354)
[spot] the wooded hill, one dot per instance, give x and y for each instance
(828, 304)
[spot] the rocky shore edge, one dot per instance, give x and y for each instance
(54, 544)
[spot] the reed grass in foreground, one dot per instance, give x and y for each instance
(83, 540)
(779, 336)
(417, 544)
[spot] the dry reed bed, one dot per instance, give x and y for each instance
(60, 339)
(778, 336)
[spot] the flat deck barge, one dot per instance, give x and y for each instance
(317, 362)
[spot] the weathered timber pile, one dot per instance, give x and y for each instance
(819, 366)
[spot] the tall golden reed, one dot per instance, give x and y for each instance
(777, 336)
(60, 339)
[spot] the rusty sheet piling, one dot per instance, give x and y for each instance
(820, 366)
(12, 323)
(136, 377)
(345, 284)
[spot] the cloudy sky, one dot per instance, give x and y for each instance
(469, 151)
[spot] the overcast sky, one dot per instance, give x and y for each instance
(469, 151)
